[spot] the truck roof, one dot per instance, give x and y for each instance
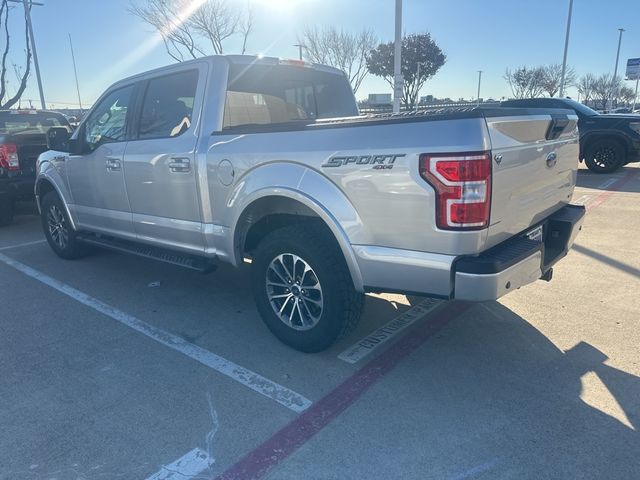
(239, 60)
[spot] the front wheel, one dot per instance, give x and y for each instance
(57, 229)
(303, 289)
(604, 156)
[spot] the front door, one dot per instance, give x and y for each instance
(96, 176)
(160, 170)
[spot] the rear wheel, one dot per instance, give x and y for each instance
(6, 211)
(303, 289)
(604, 156)
(57, 229)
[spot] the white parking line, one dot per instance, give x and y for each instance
(608, 183)
(254, 381)
(368, 344)
(186, 467)
(26, 244)
(583, 200)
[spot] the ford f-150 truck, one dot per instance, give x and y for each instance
(245, 159)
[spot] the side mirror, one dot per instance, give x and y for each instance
(58, 139)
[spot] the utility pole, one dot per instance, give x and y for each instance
(635, 98)
(300, 47)
(75, 71)
(397, 60)
(479, 81)
(615, 70)
(566, 49)
(27, 6)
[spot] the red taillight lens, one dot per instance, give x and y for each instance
(463, 188)
(9, 156)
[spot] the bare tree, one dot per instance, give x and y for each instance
(626, 95)
(553, 77)
(340, 49)
(526, 82)
(192, 29)
(585, 86)
(22, 75)
(606, 88)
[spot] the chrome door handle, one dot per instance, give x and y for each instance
(180, 165)
(113, 164)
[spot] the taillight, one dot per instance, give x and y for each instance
(9, 156)
(463, 188)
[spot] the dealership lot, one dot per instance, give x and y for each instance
(119, 367)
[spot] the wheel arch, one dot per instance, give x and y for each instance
(45, 184)
(269, 209)
(591, 138)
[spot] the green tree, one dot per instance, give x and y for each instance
(421, 60)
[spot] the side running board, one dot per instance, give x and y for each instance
(193, 262)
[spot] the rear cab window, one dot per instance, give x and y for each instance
(279, 94)
(20, 121)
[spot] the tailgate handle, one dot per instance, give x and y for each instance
(556, 127)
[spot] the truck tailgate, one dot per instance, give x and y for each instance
(534, 170)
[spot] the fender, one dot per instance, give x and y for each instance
(47, 172)
(300, 183)
(591, 134)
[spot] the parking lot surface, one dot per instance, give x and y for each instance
(116, 367)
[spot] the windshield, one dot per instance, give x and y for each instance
(17, 122)
(580, 108)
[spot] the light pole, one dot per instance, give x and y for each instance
(479, 81)
(615, 70)
(300, 47)
(27, 6)
(566, 49)
(397, 59)
(75, 71)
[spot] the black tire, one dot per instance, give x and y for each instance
(56, 226)
(329, 312)
(605, 156)
(6, 211)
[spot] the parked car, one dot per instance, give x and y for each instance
(22, 139)
(622, 110)
(247, 159)
(607, 142)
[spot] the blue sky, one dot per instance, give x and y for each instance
(488, 35)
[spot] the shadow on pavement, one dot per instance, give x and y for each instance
(605, 182)
(541, 412)
(607, 259)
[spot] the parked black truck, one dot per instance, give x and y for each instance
(607, 142)
(22, 139)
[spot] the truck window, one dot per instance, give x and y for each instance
(18, 121)
(271, 94)
(107, 122)
(168, 105)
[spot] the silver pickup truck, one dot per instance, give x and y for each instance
(244, 159)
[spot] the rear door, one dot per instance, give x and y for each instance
(95, 176)
(160, 169)
(535, 160)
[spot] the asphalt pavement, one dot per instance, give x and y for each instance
(117, 367)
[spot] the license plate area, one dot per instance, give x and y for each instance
(536, 234)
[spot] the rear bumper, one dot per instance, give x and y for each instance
(488, 276)
(518, 261)
(17, 187)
